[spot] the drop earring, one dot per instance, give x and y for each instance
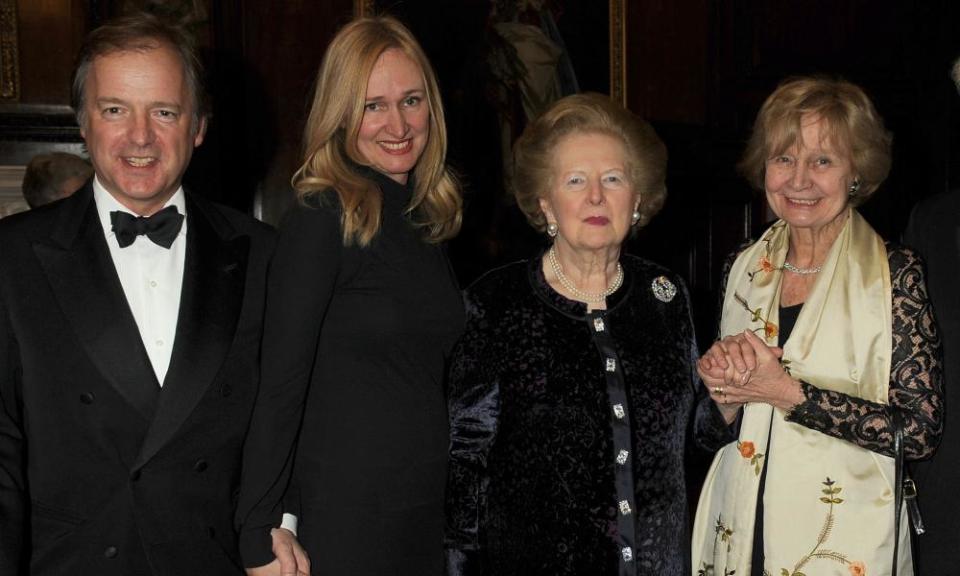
(854, 187)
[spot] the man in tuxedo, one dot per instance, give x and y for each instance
(934, 230)
(130, 319)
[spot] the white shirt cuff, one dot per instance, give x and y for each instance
(289, 522)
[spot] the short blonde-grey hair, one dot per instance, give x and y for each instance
(852, 125)
(645, 153)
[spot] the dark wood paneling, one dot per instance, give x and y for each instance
(666, 59)
(700, 69)
(282, 46)
(50, 33)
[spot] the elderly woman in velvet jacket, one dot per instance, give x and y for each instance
(573, 387)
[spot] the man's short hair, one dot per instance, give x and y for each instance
(139, 32)
(47, 174)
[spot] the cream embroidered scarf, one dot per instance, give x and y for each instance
(828, 504)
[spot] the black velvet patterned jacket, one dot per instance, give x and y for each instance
(568, 428)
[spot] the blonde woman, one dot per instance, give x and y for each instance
(363, 310)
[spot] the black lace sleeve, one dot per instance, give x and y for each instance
(473, 402)
(915, 377)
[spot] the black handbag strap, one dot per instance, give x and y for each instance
(897, 484)
(904, 490)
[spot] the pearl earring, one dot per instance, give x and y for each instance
(635, 218)
(552, 229)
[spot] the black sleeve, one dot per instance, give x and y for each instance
(13, 498)
(474, 404)
(916, 375)
(710, 430)
(301, 281)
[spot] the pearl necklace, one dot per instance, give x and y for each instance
(581, 295)
(802, 271)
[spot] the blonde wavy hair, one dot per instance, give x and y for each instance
(330, 137)
(852, 125)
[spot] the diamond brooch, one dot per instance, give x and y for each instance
(663, 289)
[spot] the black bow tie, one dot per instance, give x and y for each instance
(161, 228)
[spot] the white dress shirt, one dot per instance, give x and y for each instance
(151, 276)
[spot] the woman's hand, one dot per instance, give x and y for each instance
(718, 373)
(751, 372)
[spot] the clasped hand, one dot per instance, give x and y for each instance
(741, 368)
(291, 559)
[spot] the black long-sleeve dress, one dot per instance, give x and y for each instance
(568, 428)
(365, 332)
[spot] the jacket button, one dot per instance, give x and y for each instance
(86, 398)
(111, 552)
(200, 465)
(135, 475)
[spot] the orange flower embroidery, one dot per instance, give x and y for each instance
(857, 568)
(770, 330)
(749, 452)
(765, 264)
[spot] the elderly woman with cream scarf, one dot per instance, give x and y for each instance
(827, 340)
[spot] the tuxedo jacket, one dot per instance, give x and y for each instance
(934, 230)
(102, 472)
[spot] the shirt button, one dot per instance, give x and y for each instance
(111, 552)
(159, 342)
(153, 283)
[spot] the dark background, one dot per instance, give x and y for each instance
(697, 69)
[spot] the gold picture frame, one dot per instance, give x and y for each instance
(617, 35)
(9, 52)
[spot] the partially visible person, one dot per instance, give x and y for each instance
(574, 385)
(363, 311)
(934, 230)
(827, 332)
(53, 176)
(130, 322)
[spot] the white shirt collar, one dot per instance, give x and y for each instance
(106, 204)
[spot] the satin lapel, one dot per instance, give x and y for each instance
(210, 302)
(83, 278)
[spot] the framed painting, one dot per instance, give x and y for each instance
(610, 32)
